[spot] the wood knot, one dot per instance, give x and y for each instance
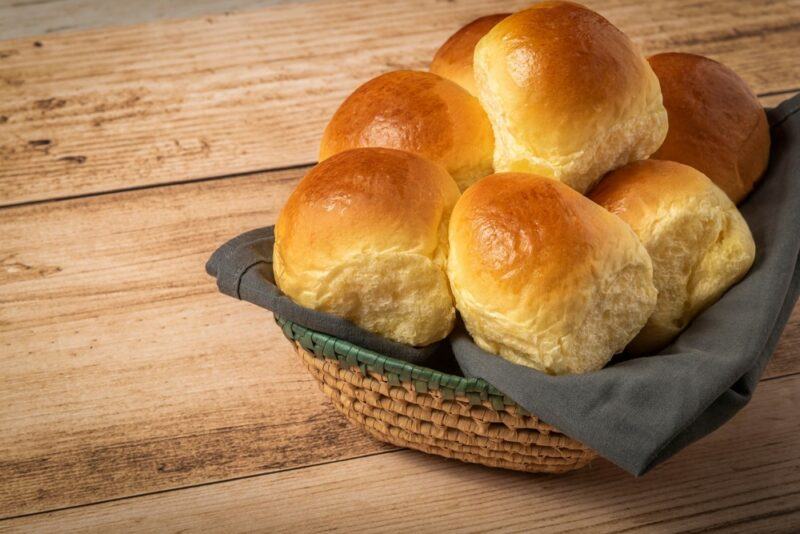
(74, 159)
(50, 103)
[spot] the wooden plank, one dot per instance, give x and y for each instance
(37, 17)
(743, 478)
(786, 359)
(170, 101)
(124, 370)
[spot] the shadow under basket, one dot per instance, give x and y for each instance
(437, 413)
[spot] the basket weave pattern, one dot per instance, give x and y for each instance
(437, 413)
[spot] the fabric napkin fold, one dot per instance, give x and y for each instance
(636, 412)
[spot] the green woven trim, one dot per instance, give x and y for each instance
(423, 379)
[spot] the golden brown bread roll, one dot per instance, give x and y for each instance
(453, 60)
(544, 277)
(716, 123)
(419, 112)
(568, 94)
(699, 243)
(364, 237)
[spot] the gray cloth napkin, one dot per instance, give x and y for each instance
(638, 412)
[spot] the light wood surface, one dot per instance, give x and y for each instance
(173, 101)
(22, 18)
(743, 478)
(127, 378)
(113, 336)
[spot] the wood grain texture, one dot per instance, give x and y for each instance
(786, 358)
(106, 110)
(21, 18)
(123, 368)
(743, 478)
(125, 373)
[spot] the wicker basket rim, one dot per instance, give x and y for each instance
(352, 355)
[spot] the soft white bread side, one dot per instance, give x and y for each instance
(419, 112)
(568, 95)
(544, 277)
(699, 243)
(716, 123)
(453, 60)
(364, 237)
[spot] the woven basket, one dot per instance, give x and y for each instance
(438, 413)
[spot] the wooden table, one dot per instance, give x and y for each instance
(133, 396)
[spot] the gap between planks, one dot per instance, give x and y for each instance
(198, 485)
(768, 99)
(164, 184)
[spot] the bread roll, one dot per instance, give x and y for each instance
(364, 237)
(453, 60)
(419, 112)
(716, 123)
(568, 94)
(699, 243)
(544, 277)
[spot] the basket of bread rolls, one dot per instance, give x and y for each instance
(545, 187)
